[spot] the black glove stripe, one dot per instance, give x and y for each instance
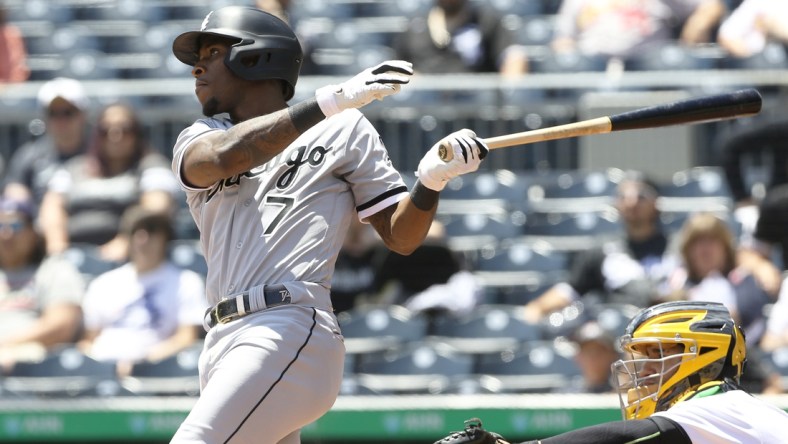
(465, 149)
(483, 150)
(386, 67)
(388, 80)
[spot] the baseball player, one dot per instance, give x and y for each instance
(678, 383)
(272, 189)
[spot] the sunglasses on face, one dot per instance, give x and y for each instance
(13, 226)
(62, 113)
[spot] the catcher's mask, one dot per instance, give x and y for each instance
(670, 350)
(264, 46)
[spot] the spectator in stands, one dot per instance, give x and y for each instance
(762, 141)
(776, 335)
(40, 296)
(753, 24)
(87, 197)
(13, 55)
(417, 282)
(279, 8)
(624, 28)
(756, 250)
(65, 106)
(354, 271)
(632, 270)
(458, 36)
(595, 354)
(709, 273)
(147, 309)
(306, 34)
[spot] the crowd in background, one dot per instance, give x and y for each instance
(93, 183)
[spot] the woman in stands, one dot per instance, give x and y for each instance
(86, 199)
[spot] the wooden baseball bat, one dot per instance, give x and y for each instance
(746, 102)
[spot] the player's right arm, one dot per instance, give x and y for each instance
(251, 143)
(404, 226)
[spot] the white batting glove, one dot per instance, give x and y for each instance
(371, 84)
(469, 151)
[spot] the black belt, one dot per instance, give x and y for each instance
(227, 310)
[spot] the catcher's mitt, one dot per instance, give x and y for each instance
(473, 434)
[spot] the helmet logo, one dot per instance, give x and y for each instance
(204, 25)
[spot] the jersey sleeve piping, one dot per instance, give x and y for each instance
(382, 201)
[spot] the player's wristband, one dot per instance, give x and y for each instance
(424, 198)
(326, 98)
(305, 115)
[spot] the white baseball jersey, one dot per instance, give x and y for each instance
(265, 376)
(284, 221)
(729, 417)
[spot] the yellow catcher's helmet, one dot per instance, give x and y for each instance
(670, 350)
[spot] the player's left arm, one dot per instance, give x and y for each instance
(403, 226)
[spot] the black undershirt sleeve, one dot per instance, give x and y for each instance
(654, 430)
(306, 114)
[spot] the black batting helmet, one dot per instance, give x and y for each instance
(266, 48)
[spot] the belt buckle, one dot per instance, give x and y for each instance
(223, 319)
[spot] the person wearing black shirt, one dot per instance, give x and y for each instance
(629, 270)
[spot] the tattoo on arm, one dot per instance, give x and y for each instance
(424, 198)
(306, 114)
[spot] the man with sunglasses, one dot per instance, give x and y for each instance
(64, 105)
(40, 296)
(629, 270)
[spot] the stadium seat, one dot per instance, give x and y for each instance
(472, 232)
(773, 56)
(368, 329)
(779, 360)
(533, 30)
(353, 386)
(87, 65)
(540, 366)
(516, 294)
(552, 62)
(88, 260)
(62, 39)
(490, 192)
(116, 10)
(423, 367)
(514, 7)
(669, 57)
(563, 322)
(188, 254)
(571, 231)
(40, 10)
(176, 375)
(577, 190)
(516, 263)
(65, 372)
(696, 189)
(405, 8)
(487, 328)
(611, 316)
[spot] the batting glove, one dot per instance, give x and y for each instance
(371, 84)
(468, 151)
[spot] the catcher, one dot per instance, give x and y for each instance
(678, 383)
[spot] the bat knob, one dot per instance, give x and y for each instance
(444, 152)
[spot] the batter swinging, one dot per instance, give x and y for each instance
(272, 190)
